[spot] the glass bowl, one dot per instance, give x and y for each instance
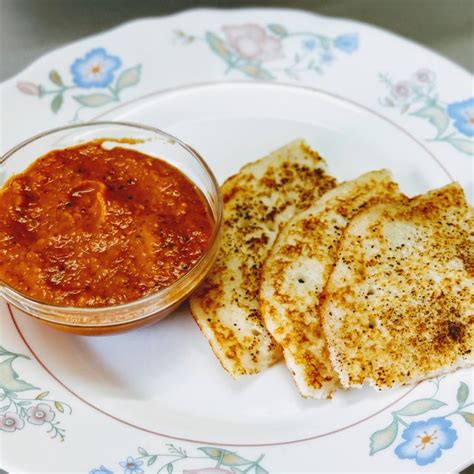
(155, 306)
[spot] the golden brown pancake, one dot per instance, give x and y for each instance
(258, 201)
(399, 304)
(297, 269)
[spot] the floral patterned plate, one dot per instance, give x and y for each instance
(155, 400)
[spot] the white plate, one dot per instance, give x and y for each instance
(132, 394)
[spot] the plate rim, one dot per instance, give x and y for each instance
(225, 11)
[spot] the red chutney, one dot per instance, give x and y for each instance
(87, 226)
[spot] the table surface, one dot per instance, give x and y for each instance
(31, 28)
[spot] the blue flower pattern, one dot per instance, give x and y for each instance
(425, 440)
(309, 44)
(95, 69)
(132, 466)
(327, 57)
(463, 115)
(347, 43)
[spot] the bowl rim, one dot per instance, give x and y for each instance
(85, 311)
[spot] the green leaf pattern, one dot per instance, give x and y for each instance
(142, 451)
(277, 29)
(468, 417)
(463, 393)
(436, 115)
(9, 379)
(383, 438)
(219, 46)
(419, 407)
(256, 72)
(55, 78)
(226, 458)
(94, 100)
(57, 102)
(462, 144)
(128, 78)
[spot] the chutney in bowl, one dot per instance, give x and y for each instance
(105, 226)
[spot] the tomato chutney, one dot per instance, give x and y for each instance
(90, 226)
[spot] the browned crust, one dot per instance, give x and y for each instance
(292, 314)
(258, 201)
(427, 325)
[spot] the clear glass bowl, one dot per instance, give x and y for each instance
(153, 142)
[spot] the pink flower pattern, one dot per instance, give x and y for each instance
(25, 410)
(40, 414)
(11, 422)
(251, 41)
(424, 76)
(402, 90)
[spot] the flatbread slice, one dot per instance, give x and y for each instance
(258, 201)
(296, 271)
(399, 304)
